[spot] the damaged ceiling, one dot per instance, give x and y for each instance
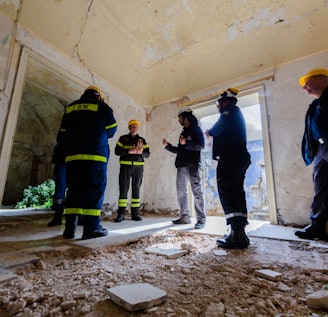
(161, 50)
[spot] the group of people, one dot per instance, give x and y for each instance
(233, 159)
(89, 122)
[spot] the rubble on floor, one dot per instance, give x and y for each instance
(75, 281)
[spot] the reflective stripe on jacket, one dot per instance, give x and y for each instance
(86, 126)
(127, 142)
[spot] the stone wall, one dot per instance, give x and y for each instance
(35, 137)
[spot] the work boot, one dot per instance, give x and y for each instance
(237, 239)
(120, 214)
(98, 233)
(59, 210)
(70, 226)
(135, 214)
(313, 231)
(92, 228)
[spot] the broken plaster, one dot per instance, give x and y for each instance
(262, 18)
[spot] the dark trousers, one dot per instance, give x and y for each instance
(319, 206)
(60, 182)
(134, 174)
(86, 183)
(230, 181)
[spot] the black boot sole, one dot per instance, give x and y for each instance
(95, 234)
(137, 218)
(119, 219)
(311, 236)
(226, 244)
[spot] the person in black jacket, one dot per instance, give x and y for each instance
(229, 149)
(132, 150)
(315, 149)
(187, 162)
(86, 126)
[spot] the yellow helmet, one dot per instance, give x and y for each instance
(134, 121)
(229, 93)
(96, 89)
(313, 72)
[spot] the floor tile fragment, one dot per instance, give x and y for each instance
(171, 253)
(268, 274)
(137, 296)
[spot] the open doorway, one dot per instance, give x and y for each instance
(259, 181)
(40, 93)
(35, 136)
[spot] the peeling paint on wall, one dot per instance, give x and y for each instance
(14, 3)
(262, 18)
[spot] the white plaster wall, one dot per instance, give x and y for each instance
(124, 107)
(160, 173)
(286, 106)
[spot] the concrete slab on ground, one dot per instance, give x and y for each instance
(137, 296)
(32, 235)
(6, 276)
(13, 259)
(170, 253)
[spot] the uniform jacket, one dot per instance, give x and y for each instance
(86, 126)
(189, 153)
(316, 127)
(127, 142)
(229, 135)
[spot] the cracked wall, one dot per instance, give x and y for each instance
(158, 51)
(286, 105)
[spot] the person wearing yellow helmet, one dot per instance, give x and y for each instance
(95, 90)
(86, 126)
(132, 150)
(315, 149)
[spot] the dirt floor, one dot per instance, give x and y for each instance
(74, 282)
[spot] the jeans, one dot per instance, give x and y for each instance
(190, 174)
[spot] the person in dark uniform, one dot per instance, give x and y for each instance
(132, 150)
(86, 126)
(229, 149)
(58, 159)
(315, 149)
(187, 162)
